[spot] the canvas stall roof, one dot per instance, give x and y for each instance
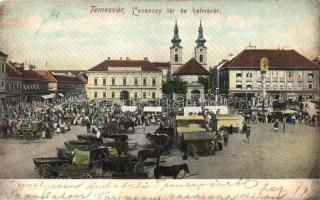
(190, 129)
(229, 117)
(190, 118)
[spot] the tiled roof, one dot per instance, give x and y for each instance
(46, 75)
(278, 59)
(192, 67)
(3, 54)
(12, 72)
(60, 77)
(144, 64)
(32, 75)
(75, 72)
(162, 64)
(316, 60)
(83, 78)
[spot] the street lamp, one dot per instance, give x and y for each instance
(217, 91)
(264, 65)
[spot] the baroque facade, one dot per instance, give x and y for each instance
(194, 68)
(138, 80)
(290, 75)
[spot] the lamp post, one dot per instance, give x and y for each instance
(264, 65)
(217, 91)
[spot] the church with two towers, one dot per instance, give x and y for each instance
(194, 68)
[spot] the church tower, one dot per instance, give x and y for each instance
(200, 51)
(175, 51)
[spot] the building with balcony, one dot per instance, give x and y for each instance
(290, 75)
(69, 85)
(52, 82)
(3, 58)
(138, 80)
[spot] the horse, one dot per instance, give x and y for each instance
(171, 171)
(128, 124)
(149, 153)
(167, 130)
(159, 139)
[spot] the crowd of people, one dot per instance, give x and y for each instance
(58, 116)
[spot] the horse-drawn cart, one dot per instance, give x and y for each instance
(28, 133)
(108, 128)
(193, 135)
(197, 141)
(48, 167)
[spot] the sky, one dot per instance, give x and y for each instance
(70, 35)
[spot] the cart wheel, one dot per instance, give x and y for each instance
(139, 167)
(44, 171)
(86, 176)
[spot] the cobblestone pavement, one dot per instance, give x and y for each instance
(293, 154)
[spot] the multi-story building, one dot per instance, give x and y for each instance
(34, 85)
(165, 67)
(69, 85)
(3, 58)
(13, 85)
(137, 80)
(52, 82)
(290, 75)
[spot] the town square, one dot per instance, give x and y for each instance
(91, 91)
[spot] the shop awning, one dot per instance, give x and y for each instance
(60, 95)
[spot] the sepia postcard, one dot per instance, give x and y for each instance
(170, 99)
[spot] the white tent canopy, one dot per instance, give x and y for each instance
(128, 108)
(152, 109)
(222, 109)
(190, 109)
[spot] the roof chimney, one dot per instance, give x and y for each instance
(127, 58)
(250, 46)
(145, 58)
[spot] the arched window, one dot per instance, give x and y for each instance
(201, 58)
(176, 58)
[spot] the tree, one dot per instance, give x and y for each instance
(176, 85)
(207, 84)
